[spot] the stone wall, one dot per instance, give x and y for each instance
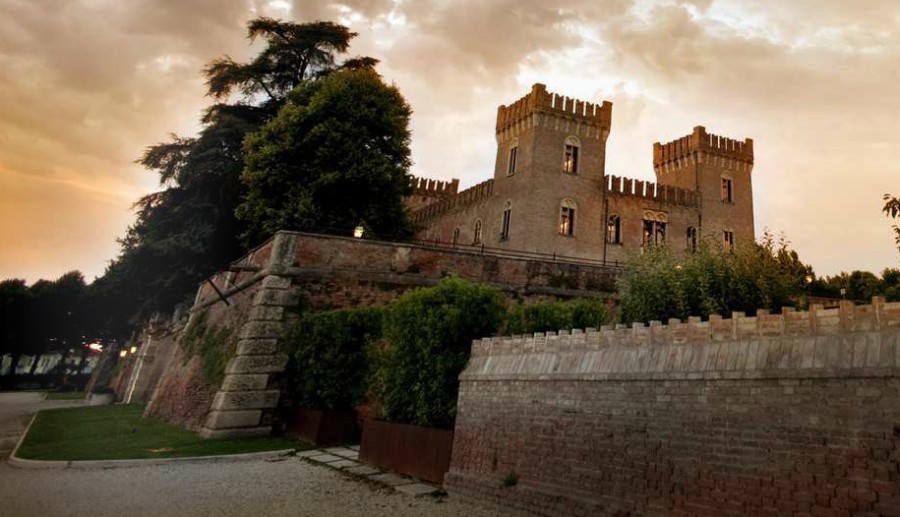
(156, 344)
(258, 296)
(793, 414)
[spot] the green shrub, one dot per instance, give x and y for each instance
(552, 316)
(216, 349)
(329, 356)
(193, 334)
(428, 337)
(661, 284)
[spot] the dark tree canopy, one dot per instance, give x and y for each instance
(294, 53)
(337, 155)
(50, 315)
(188, 230)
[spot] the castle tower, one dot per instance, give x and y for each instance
(719, 170)
(549, 174)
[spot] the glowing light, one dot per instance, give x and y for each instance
(96, 347)
(359, 231)
(123, 353)
(133, 349)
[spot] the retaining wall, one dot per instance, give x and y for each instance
(794, 414)
(262, 292)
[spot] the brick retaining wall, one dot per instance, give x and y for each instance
(254, 299)
(775, 415)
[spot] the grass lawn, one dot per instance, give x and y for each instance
(65, 395)
(121, 432)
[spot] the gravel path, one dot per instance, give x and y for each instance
(270, 488)
(267, 488)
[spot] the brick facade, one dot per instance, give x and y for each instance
(531, 180)
(793, 414)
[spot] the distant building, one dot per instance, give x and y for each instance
(551, 194)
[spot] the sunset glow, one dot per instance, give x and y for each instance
(89, 85)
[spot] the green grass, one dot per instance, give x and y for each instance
(121, 432)
(65, 395)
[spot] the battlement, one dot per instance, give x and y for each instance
(433, 188)
(818, 325)
(539, 100)
(467, 197)
(616, 185)
(703, 143)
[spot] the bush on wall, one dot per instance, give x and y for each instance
(661, 283)
(329, 357)
(580, 313)
(428, 338)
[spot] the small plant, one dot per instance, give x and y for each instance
(510, 480)
(552, 316)
(213, 345)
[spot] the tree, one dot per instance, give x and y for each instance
(188, 230)
(293, 54)
(15, 299)
(336, 155)
(892, 209)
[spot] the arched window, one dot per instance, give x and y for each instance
(727, 189)
(614, 229)
(504, 225)
(570, 156)
(513, 156)
(567, 217)
(654, 228)
(477, 232)
(691, 239)
(455, 236)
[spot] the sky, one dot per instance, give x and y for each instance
(87, 85)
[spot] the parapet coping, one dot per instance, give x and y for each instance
(848, 341)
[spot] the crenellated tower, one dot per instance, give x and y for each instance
(719, 170)
(551, 152)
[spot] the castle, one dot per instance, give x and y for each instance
(551, 194)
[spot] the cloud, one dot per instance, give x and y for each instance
(88, 84)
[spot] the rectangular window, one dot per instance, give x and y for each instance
(613, 230)
(728, 240)
(570, 163)
(691, 239)
(726, 190)
(513, 153)
(504, 229)
(567, 221)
